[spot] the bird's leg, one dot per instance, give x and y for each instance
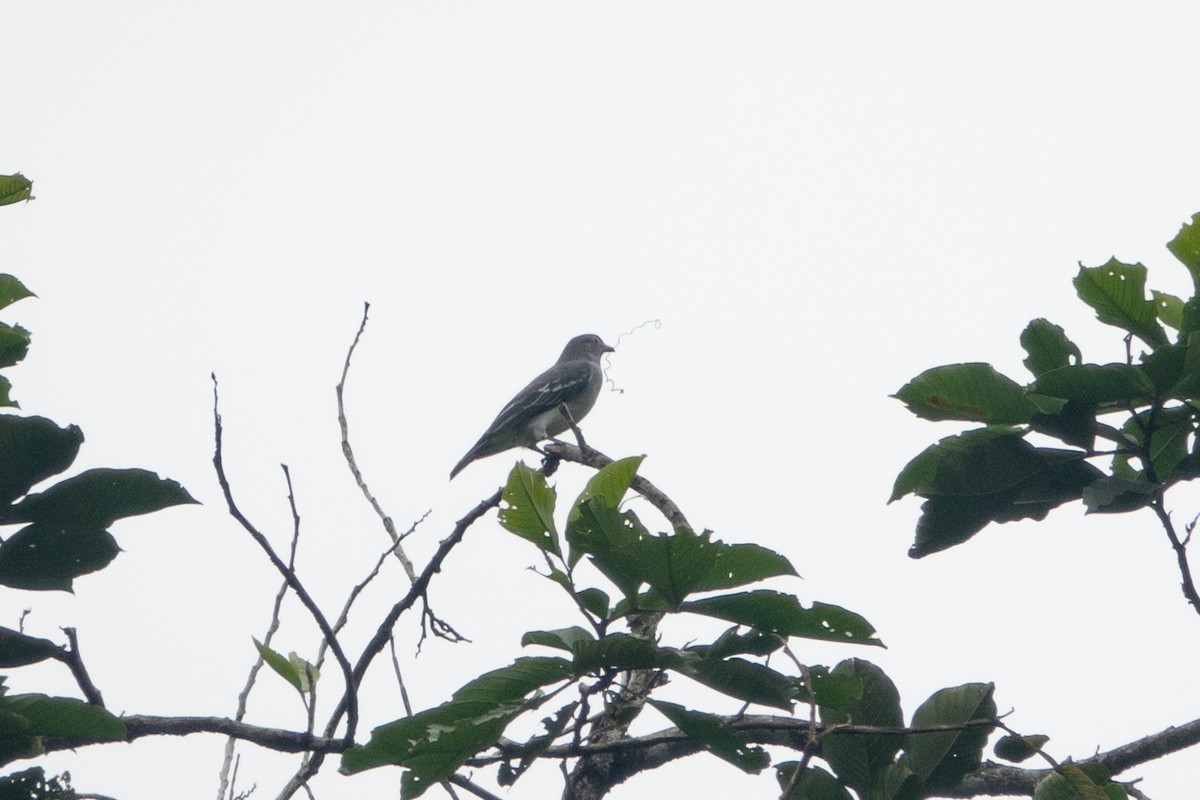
(566, 412)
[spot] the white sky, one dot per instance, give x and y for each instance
(818, 201)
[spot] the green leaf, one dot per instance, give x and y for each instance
(1048, 347)
(813, 784)
(1099, 384)
(306, 671)
(433, 744)
(1170, 309)
(941, 759)
(616, 651)
(12, 290)
(1186, 247)
(857, 759)
(18, 650)
(529, 508)
(919, 476)
(99, 497)
(6, 400)
(610, 484)
(734, 643)
(740, 564)
(31, 450)
(1075, 424)
(736, 677)
(48, 556)
(596, 601)
(675, 565)
(1069, 782)
(14, 189)
(1118, 294)
(987, 475)
(282, 666)
(1117, 495)
(835, 692)
(64, 716)
(561, 639)
(14, 344)
(783, 614)
(715, 736)
(1019, 748)
(613, 540)
(897, 782)
(971, 392)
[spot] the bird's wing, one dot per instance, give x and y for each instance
(562, 383)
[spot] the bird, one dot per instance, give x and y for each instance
(533, 415)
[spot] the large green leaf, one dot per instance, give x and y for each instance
(858, 758)
(744, 680)
(31, 450)
(941, 759)
(613, 540)
(783, 614)
(610, 484)
(64, 716)
(1099, 384)
(99, 497)
(735, 642)
(18, 650)
(14, 189)
(1048, 347)
(970, 392)
(1117, 292)
(529, 508)
(741, 564)
(1113, 495)
(433, 744)
(48, 555)
(987, 475)
(12, 290)
(561, 639)
(616, 651)
(715, 736)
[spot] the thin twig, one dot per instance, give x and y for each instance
(226, 785)
(350, 696)
(399, 676)
(348, 452)
(416, 591)
(1180, 548)
(74, 662)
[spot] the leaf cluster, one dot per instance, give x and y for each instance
(62, 534)
(1126, 431)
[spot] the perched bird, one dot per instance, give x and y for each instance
(533, 415)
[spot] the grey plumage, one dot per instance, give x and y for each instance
(533, 415)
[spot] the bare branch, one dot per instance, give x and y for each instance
(349, 698)
(74, 662)
(1180, 548)
(348, 452)
(273, 626)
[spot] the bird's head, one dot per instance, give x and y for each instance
(587, 345)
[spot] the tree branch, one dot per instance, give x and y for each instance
(1180, 548)
(349, 698)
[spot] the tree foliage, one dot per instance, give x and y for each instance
(635, 591)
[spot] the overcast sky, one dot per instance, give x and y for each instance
(816, 201)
